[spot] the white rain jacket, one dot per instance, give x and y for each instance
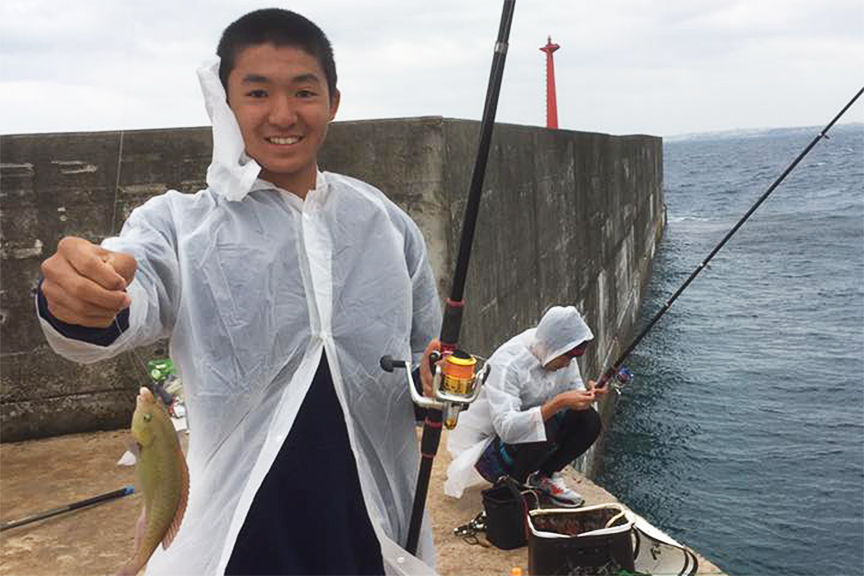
(509, 404)
(252, 283)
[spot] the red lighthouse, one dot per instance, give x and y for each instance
(551, 102)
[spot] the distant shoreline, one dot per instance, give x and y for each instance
(752, 132)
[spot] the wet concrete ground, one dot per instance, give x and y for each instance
(44, 474)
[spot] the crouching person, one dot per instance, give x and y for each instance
(533, 416)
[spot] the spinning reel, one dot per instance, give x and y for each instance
(616, 378)
(456, 382)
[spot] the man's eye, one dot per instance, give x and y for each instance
(305, 94)
(257, 93)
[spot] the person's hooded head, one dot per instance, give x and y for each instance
(562, 334)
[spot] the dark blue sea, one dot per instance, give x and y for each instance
(742, 434)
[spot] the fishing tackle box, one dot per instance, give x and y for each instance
(561, 539)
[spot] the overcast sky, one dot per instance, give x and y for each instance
(661, 67)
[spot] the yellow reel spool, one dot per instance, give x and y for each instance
(458, 374)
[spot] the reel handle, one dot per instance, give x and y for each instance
(434, 358)
(388, 364)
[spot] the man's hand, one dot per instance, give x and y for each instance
(570, 400)
(599, 393)
(85, 284)
(425, 369)
(577, 399)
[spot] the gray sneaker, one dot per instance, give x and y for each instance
(555, 488)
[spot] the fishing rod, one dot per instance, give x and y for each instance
(457, 381)
(125, 491)
(615, 368)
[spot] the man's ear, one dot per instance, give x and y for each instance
(334, 104)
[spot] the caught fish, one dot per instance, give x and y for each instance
(163, 478)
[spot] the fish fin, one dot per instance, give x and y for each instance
(140, 527)
(133, 446)
(181, 503)
(134, 566)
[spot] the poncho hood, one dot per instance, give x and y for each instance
(561, 329)
(231, 173)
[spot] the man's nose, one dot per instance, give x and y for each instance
(283, 112)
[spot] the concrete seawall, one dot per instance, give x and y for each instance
(566, 217)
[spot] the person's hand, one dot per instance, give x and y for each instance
(85, 284)
(425, 369)
(599, 393)
(577, 399)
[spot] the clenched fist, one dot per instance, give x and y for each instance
(85, 284)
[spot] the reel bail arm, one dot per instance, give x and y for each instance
(454, 387)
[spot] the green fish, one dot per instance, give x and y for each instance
(163, 478)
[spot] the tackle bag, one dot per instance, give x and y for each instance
(602, 539)
(506, 513)
(561, 540)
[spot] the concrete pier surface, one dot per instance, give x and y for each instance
(39, 475)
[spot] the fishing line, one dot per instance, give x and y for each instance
(123, 116)
(132, 350)
(616, 366)
(119, 163)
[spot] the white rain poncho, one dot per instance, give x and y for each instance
(251, 286)
(509, 403)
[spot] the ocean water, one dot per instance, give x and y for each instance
(743, 431)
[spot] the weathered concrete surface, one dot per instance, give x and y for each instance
(43, 474)
(54, 185)
(566, 217)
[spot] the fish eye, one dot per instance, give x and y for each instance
(148, 417)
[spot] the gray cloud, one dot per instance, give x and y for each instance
(625, 66)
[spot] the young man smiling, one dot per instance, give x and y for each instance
(280, 287)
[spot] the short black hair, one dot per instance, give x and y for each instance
(281, 28)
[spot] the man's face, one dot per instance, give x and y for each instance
(280, 98)
(558, 363)
(564, 360)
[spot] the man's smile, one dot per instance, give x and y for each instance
(283, 140)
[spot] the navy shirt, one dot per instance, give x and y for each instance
(308, 516)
